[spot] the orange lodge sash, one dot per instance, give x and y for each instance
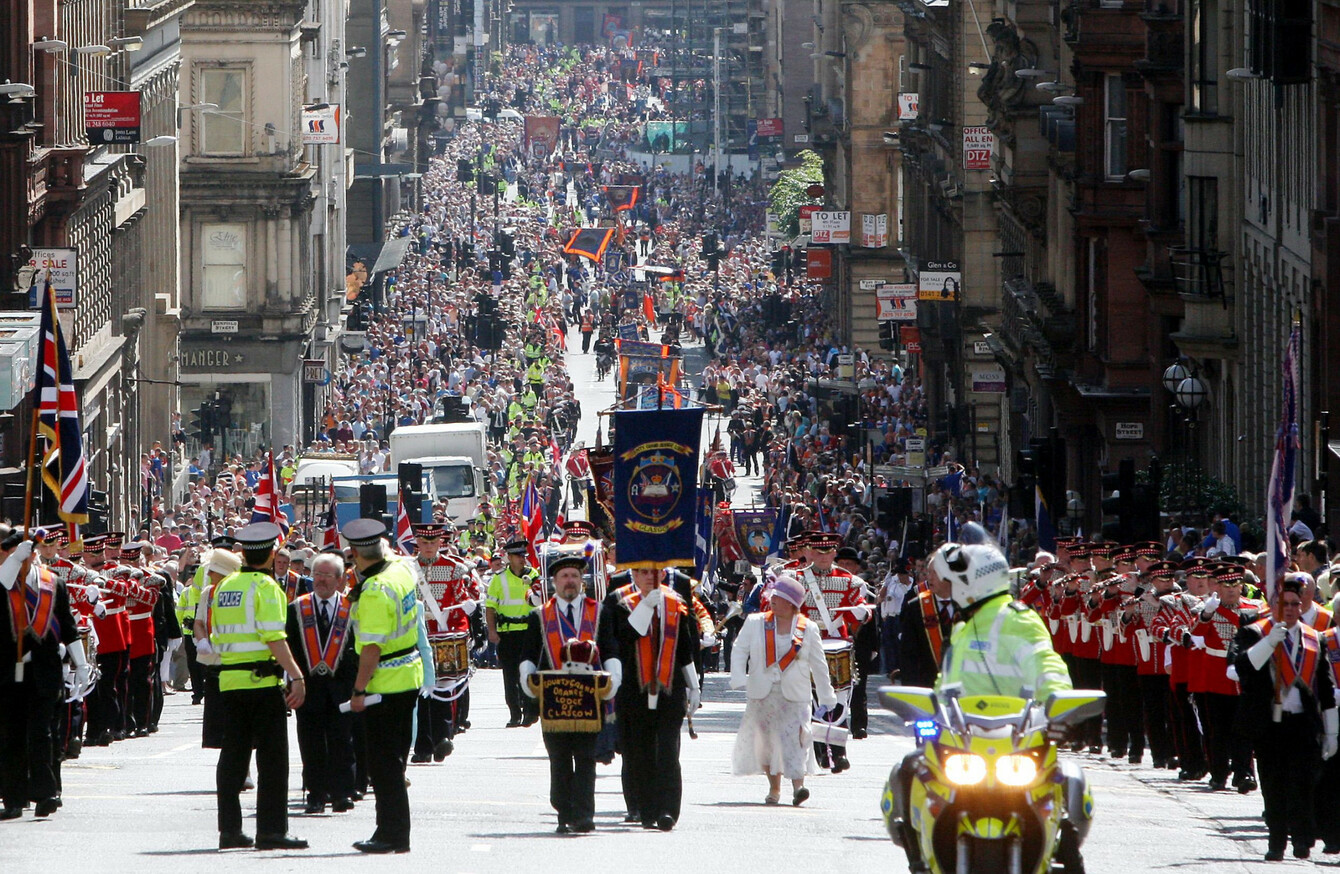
(770, 641)
(557, 631)
(656, 669)
(1286, 674)
(1331, 638)
(322, 660)
(930, 618)
(33, 609)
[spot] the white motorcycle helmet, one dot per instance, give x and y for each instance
(976, 571)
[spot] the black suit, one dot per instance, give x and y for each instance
(572, 755)
(325, 735)
(28, 707)
(1288, 756)
(649, 738)
(917, 664)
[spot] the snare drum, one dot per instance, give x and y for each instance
(451, 655)
(839, 656)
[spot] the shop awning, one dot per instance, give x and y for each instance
(392, 253)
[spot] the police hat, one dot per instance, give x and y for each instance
(429, 531)
(517, 547)
(258, 536)
(223, 541)
(573, 561)
(363, 532)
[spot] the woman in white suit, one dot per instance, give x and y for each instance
(776, 655)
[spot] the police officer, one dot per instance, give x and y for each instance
(507, 606)
(247, 631)
(386, 617)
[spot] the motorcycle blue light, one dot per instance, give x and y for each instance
(927, 729)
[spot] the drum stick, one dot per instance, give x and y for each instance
(368, 700)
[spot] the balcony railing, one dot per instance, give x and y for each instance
(1198, 271)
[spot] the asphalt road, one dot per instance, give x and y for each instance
(149, 805)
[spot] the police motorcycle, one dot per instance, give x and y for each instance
(986, 792)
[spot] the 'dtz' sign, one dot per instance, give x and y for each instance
(320, 125)
(977, 143)
(112, 117)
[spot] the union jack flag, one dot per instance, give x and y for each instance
(532, 519)
(64, 468)
(404, 532)
(1283, 472)
(266, 508)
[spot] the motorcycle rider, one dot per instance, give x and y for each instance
(1001, 648)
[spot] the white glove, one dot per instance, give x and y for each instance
(100, 609)
(695, 700)
(1232, 673)
(640, 618)
(1209, 605)
(691, 681)
(1330, 720)
(1259, 653)
(1276, 633)
(615, 669)
(91, 594)
(527, 669)
(81, 670)
(708, 640)
(860, 612)
(821, 711)
(468, 606)
(1197, 641)
(9, 570)
(204, 647)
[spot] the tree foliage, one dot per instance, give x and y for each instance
(788, 192)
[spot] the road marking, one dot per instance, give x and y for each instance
(173, 751)
(480, 848)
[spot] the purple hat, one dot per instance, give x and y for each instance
(789, 588)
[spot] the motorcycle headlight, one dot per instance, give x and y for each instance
(965, 769)
(1016, 770)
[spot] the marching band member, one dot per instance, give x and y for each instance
(571, 632)
(106, 718)
(654, 629)
(830, 589)
(35, 624)
(776, 657)
(450, 597)
(319, 624)
(1216, 625)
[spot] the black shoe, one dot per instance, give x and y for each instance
(101, 739)
(1274, 855)
(1116, 754)
(443, 749)
(420, 759)
(118, 735)
(562, 829)
(280, 842)
(344, 805)
(380, 847)
(358, 795)
(45, 808)
(859, 734)
(515, 723)
(196, 702)
(1301, 852)
(234, 841)
(1218, 786)
(465, 725)
(665, 822)
(74, 748)
(800, 797)
(1247, 784)
(632, 818)
(840, 764)
(1095, 749)
(1135, 758)
(584, 826)
(649, 823)
(529, 721)
(153, 729)
(314, 807)
(11, 813)
(1330, 849)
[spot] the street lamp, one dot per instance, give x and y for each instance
(1191, 393)
(1173, 376)
(1074, 510)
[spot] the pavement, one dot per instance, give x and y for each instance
(149, 804)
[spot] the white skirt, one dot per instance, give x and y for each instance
(775, 738)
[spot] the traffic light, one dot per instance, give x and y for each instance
(779, 263)
(1119, 501)
(465, 170)
(200, 426)
(710, 245)
(1023, 497)
(886, 336)
(488, 184)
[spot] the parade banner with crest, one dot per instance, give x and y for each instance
(646, 364)
(655, 487)
(753, 533)
(541, 134)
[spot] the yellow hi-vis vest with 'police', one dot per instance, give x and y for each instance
(387, 615)
(249, 610)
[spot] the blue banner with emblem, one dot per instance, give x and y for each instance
(655, 485)
(754, 529)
